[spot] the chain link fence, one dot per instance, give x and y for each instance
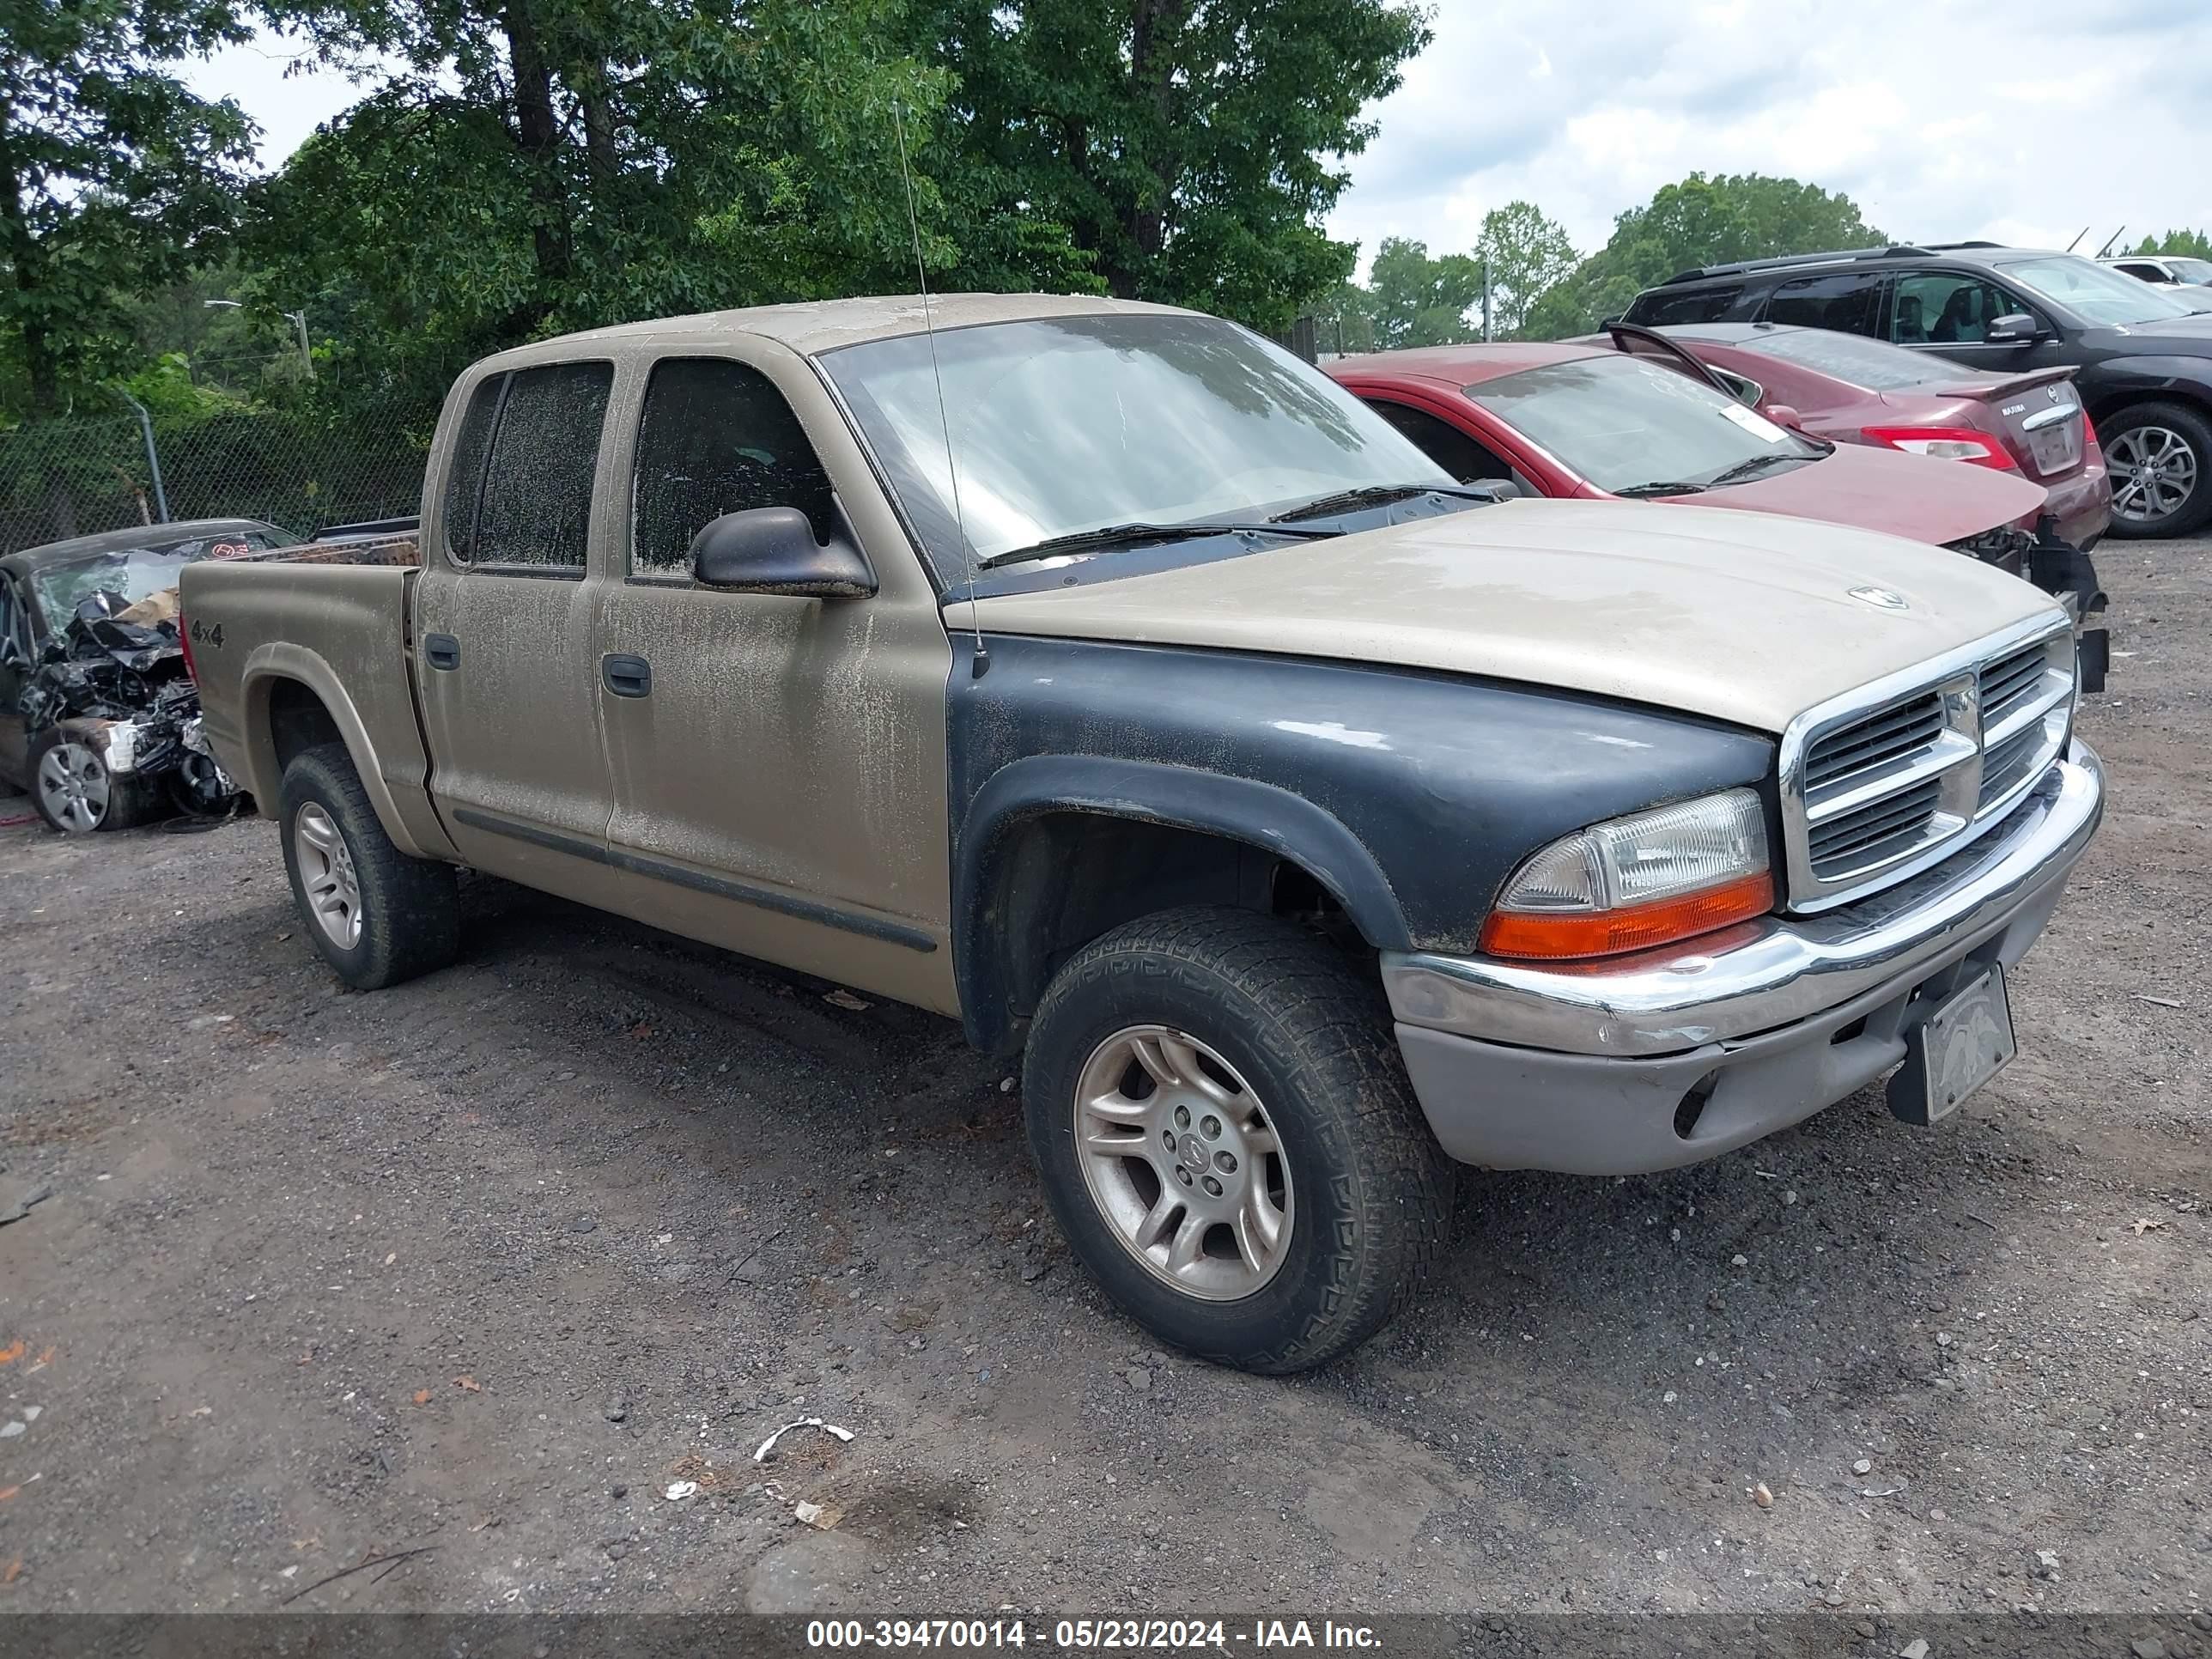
(301, 469)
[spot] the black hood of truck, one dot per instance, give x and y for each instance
(2179, 337)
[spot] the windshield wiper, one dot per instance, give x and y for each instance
(1377, 495)
(1659, 487)
(1743, 471)
(1123, 535)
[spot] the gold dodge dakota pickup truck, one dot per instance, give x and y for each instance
(1104, 677)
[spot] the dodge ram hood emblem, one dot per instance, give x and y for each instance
(1882, 597)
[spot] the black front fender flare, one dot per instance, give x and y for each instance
(1260, 815)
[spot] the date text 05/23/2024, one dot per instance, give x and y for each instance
(1091, 1635)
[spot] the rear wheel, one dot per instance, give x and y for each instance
(377, 916)
(74, 790)
(1228, 1138)
(2160, 460)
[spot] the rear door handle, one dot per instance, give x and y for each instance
(627, 676)
(442, 651)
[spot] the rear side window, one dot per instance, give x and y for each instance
(1849, 301)
(464, 483)
(716, 437)
(1661, 307)
(537, 497)
(1445, 444)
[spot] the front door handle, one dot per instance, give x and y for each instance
(627, 676)
(442, 651)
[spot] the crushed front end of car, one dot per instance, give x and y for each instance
(117, 680)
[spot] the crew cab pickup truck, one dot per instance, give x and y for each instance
(1102, 676)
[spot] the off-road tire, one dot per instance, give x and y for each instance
(131, 802)
(1311, 1034)
(410, 906)
(2195, 430)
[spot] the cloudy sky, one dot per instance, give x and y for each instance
(1942, 118)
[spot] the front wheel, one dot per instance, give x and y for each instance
(2159, 457)
(1228, 1138)
(74, 790)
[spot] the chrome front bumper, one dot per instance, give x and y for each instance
(1663, 1059)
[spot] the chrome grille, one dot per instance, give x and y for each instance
(1891, 822)
(2009, 681)
(1883, 782)
(1873, 741)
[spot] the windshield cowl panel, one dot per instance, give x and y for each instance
(1064, 425)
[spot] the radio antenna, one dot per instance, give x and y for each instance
(982, 659)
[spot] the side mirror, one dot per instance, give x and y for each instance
(1782, 414)
(772, 550)
(2016, 328)
(1505, 489)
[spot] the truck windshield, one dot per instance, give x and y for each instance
(1627, 423)
(1064, 425)
(2099, 295)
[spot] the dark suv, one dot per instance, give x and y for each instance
(2143, 361)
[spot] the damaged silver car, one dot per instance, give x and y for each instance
(100, 719)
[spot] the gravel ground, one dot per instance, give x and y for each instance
(480, 1267)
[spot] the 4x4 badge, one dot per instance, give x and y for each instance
(1881, 596)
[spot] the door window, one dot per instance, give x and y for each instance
(1948, 308)
(11, 621)
(537, 497)
(1657, 308)
(716, 437)
(1849, 301)
(1445, 444)
(464, 481)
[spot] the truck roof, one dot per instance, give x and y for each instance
(819, 325)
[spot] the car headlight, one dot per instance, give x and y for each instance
(1633, 883)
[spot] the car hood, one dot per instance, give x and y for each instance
(1739, 618)
(2184, 337)
(1900, 495)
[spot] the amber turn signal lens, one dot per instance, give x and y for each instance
(1565, 934)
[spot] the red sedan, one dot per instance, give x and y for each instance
(1857, 391)
(1644, 420)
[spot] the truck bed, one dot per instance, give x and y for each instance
(308, 645)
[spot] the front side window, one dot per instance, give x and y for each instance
(1445, 444)
(1847, 301)
(537, 495)
(2098, 294)
(716, 437)
(1629, 425)
(1064, 425)
(1944, 307)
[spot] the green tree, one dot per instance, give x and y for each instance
(1526, 253)
(1417, 300)
(2189, 244)
(546, 164)
(1697, 221)
(113, 177)
(1190, 148)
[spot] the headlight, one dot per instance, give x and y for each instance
(1633, 883)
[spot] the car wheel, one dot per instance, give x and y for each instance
(377, 915)
(1228, 1138)
(75, 792)
(2159, 457)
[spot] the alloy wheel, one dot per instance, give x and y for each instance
(75, 786)
(2154, 470)
(326, 875)
(1182, 1160)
